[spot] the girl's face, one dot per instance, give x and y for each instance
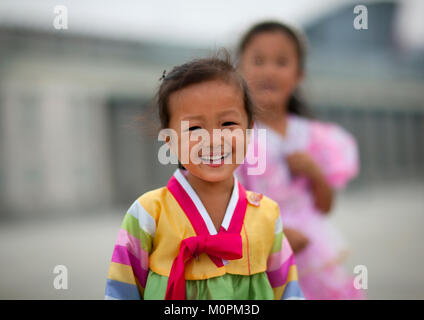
(207, 106)
(270, 66)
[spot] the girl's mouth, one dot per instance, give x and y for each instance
(215, 160)
(267, 86)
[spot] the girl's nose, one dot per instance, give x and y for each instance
(216, 148)
(269, 70)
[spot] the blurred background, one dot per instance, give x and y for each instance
(74, 155)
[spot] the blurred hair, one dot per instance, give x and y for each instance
(296, 103)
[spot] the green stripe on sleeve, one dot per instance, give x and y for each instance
(278, 240)
(131, 224)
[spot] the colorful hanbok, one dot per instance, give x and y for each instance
(321, 274)
(168, 247)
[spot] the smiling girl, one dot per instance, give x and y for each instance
(203, 236)
(306, 160)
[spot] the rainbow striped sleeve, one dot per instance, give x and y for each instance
(129, 267)
(281, 267)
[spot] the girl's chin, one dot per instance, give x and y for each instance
(269, 101)
(214, 173)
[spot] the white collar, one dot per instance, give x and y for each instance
(201, 208)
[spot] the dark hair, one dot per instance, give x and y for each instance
(296, 104)
(197, 71)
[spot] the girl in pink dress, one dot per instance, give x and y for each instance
(306, 160)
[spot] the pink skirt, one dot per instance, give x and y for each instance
(322, 275)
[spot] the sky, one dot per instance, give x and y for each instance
(171, 20)
(206, 22)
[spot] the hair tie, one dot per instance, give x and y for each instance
(163, 75)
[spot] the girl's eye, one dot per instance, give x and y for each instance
(258, 61)
(193, 128)
(229, 123)
(282, 61)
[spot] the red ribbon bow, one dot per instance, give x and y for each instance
(220, 246)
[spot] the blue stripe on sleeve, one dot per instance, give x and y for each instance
(292, 291)
(121, 290)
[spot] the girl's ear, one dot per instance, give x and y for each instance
(172, 145)
(171, 139)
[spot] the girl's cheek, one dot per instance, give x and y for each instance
(289, 73)
(250, 72)
(238, 144)
(190, 151)
(184, 148)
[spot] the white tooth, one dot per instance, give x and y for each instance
(215, 157)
